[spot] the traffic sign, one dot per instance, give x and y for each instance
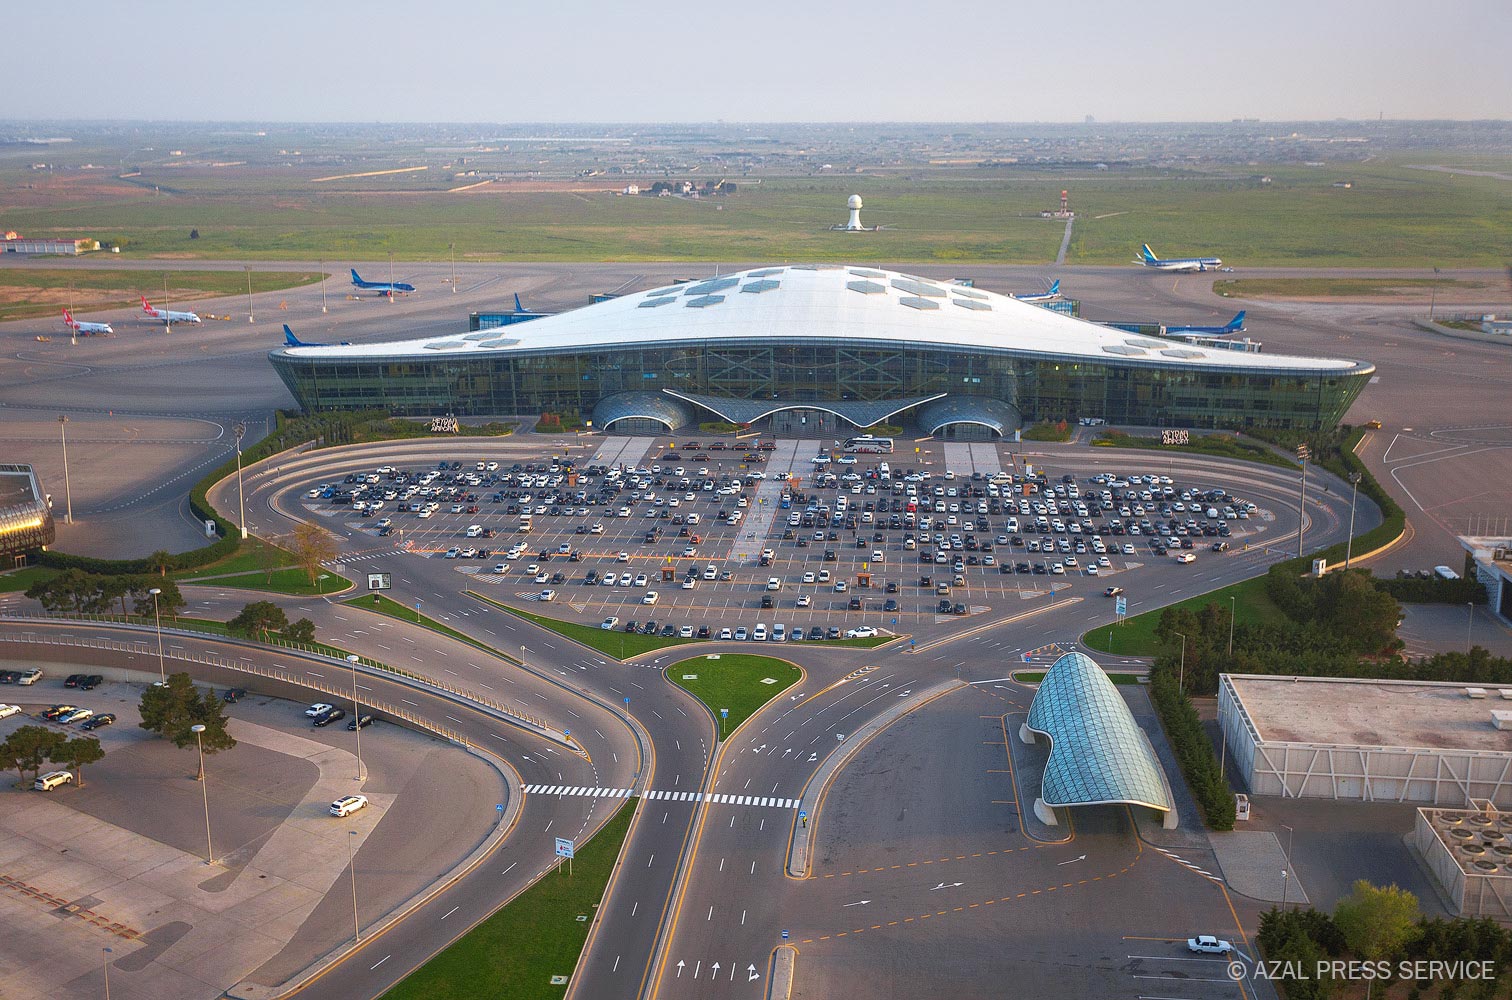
(566, 732)
(564, 847)
(724, 713)
(499, 808)
(1121, 605)
(784, 935)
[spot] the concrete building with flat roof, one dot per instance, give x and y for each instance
(1493, 568)
(1469, 852)
(1368, 740)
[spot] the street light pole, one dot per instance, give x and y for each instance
(1303, 454)
(248, 269)
(452, 249)
(1354, 482)
(352, 867)
(108, 953)
(162, 671)
(1286, 872)
(67, 487)
(354, 659)
(322, 287)
(199, 742)
(240, 430)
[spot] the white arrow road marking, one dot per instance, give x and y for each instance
(1071, 862)
(860, 902)
(947, 885)
(751, 974)
(680, 964)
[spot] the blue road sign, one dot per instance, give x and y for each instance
(627, 699)
(784, 935)
(566, 732)
(1121, 605)
(724, 713)
(499, 807)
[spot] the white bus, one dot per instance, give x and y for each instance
(868, 445)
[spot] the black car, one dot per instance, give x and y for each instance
(361, 722)
(959, 609)
(668, 630)
(703, 631)
(943, 608)
(90, 682)
(73, 680)
(890, 605)
(833, 632)
(632, 626)
(329, 716)
(233, 695)
(855, 604)
(766, 600)
(58, 710)
(99, 721)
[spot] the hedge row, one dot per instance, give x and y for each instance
(1193, 750)
(1412, 590)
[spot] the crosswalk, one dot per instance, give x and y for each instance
(716, 798)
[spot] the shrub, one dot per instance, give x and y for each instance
(1193, 751)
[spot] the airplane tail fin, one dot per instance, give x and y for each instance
(289, 339)
(1237, 323)
(1054, 288)
(518, 308)
(68, 319)
(146, 306)
(1147, 253)
(356, 278)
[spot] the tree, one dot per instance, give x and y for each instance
(312, 545)
(77, 752)
(170, 602)
(301, 631)
(72, 590)
(1376, 921)
(161, 561)
(267, 555)
(206, 710)
(258, 619)
(30, 747)
(165, 708)
(111, 590)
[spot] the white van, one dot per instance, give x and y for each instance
(779, 633)
(474, 531)
(52, 779)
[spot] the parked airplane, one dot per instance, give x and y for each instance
(1148, 259)
(381, 287)
(1049, 295)
(85, 329)
(168, 315)
(1235, 325)
(292, 341)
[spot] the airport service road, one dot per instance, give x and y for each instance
(384, 960)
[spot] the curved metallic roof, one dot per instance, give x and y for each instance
(857, 412)
(1098, 753)
(821, 302)
(648, 405)
(983, 410)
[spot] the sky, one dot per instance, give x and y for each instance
(766, 61)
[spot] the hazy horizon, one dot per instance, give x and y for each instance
(393, 63)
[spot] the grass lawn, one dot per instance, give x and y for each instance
(1047, 432)
(1035, 676)
(1215, 445)
(289, 580)
(739, 682)
(1136, 636)
(249, 556)
(515, 952)
(21, 579)
(610, 642)
(623, 645)
(382, 605)
(27, 292)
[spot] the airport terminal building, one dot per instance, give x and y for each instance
(827, 347)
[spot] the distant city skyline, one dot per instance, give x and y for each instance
(778, 62)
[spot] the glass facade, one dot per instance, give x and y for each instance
(1042, 387)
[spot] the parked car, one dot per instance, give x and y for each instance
(52, 779)
(90, 682)
(77, 715)
(861, 632)
(1207, 944)
(6, 711)
(348, 804)
(361, 722)
(233, 695)
(334, 715)
(319, 708)
(99, 721)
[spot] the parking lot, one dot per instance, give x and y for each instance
(788, 539)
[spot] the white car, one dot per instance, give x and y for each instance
(804, 601)
(319, 708)
(1206, 944)
(609, 623)
(6, 711)
(861, 632)
(650, 597)
(348, 804)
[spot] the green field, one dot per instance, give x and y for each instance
(1136, 636)
(1215, 445)
(1391, 217)
(291, 580)
(21, 579)
(27, 292)
(515, 952)
(610, 642)
(739, 682)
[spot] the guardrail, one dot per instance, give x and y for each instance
(365, 665)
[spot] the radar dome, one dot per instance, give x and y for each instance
(853, 202)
